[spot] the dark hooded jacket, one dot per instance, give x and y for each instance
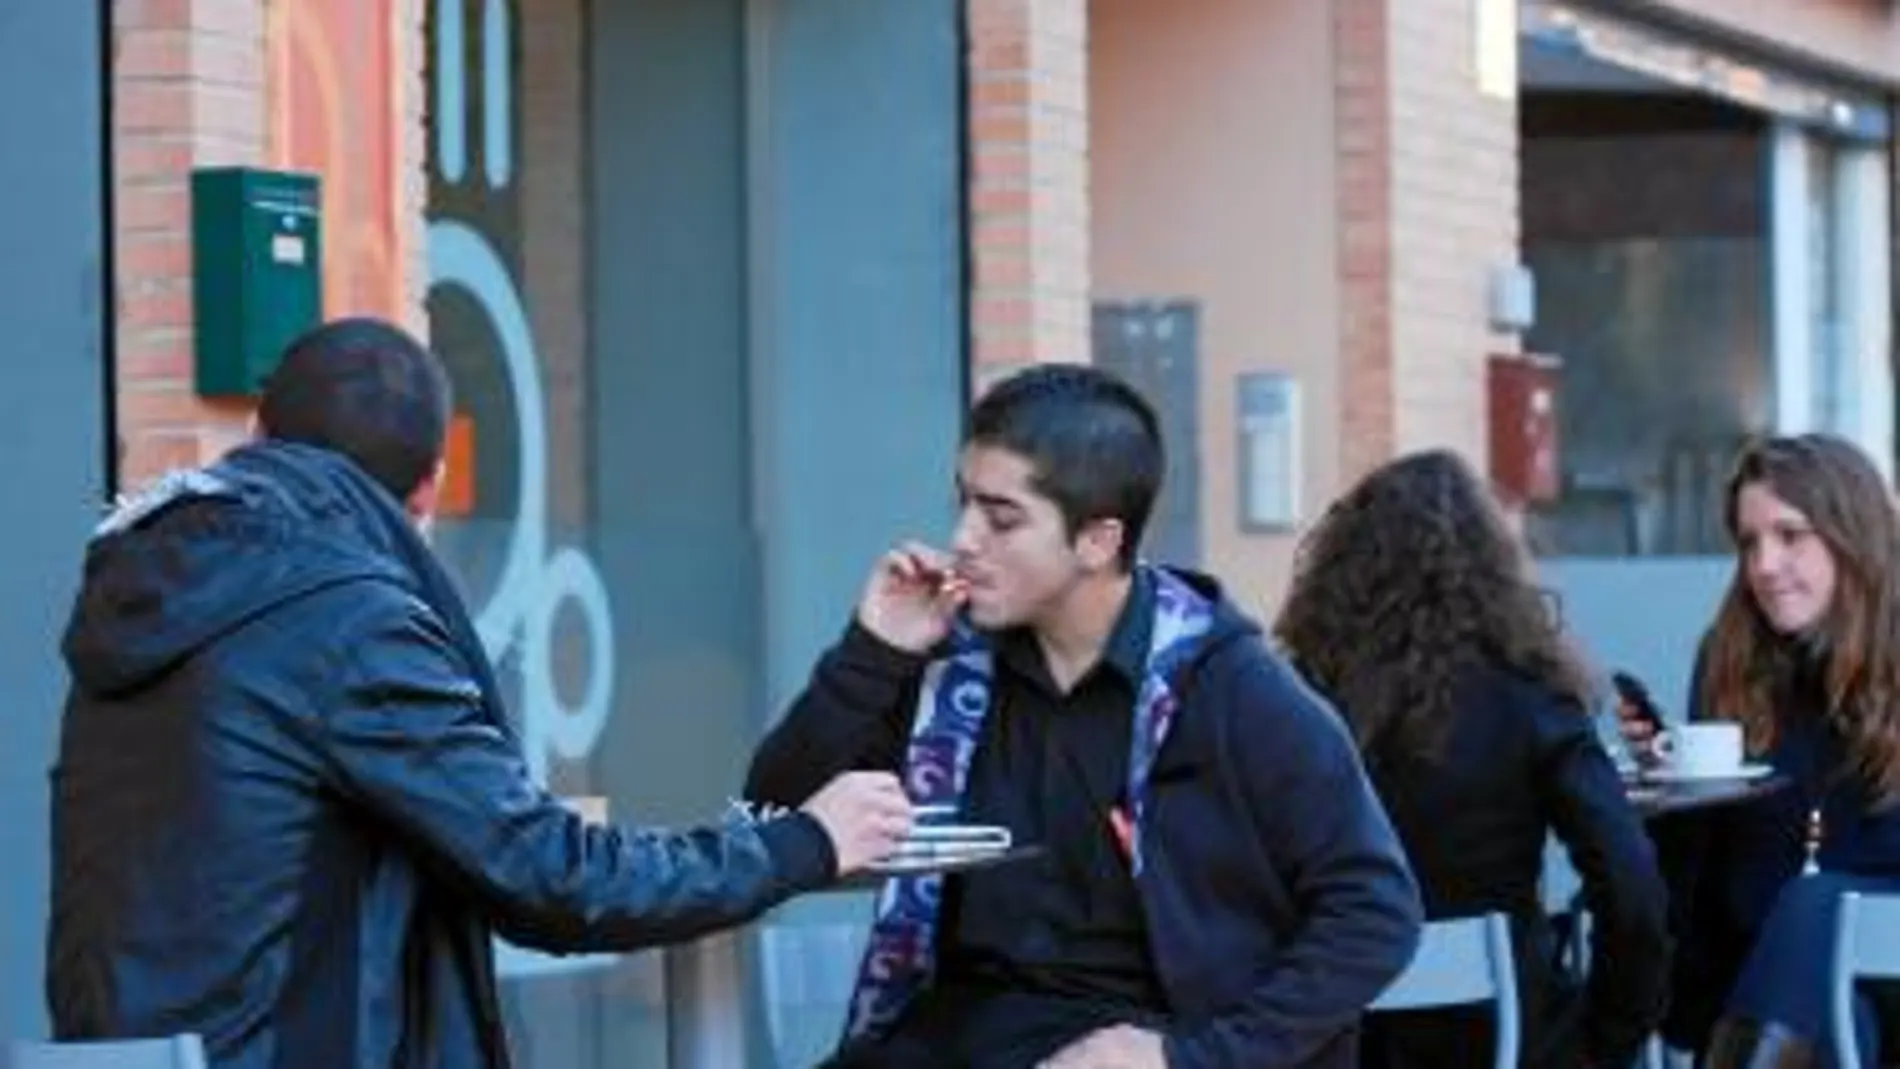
(288, 811)
(1276, 898)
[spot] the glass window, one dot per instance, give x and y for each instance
(591, 307)
(1654, 295)
(657, 282)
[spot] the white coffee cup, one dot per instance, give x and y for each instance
(1710, 748)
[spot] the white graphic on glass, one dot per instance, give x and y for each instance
(535, 578)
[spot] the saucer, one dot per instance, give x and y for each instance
(945, 861)
(1742, 773)
(962, 834)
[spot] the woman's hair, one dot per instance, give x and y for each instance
(1748, 667)
(1408, 584)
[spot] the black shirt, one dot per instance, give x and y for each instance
(1518, 762)
(1052, 767)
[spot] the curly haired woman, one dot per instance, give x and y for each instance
(1804, 652)
(1413, 610)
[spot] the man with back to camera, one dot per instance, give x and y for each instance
(1220, 886)
(287, 808)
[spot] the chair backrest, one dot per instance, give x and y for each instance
(175, 1052)
(1460, 962)
(1866, 945)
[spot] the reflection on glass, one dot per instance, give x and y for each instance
(1655, 297)
(509, 272)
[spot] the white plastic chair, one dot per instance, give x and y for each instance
(175, 1052)
(1460, 962)
(1866, 946)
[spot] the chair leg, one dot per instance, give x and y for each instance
(1660, 1055)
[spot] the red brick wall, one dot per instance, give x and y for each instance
(1363, 105)
(191, 89)
(188, 91)
(1455, 219)
(1428, 177)
(1028, 104)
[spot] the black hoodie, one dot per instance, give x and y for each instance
(1277, 901)
(287, 810)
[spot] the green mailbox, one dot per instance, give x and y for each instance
(257, 272)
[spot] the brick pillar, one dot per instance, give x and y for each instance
(188, 91)
(1428, 175)
(1455, 218)
(1028, 145)
(1363, 98)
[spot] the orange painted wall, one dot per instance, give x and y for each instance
(334, 109)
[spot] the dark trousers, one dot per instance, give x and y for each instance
(1786, 977)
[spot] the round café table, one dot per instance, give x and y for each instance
(1654, 797)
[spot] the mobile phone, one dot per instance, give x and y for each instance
(1635, 698)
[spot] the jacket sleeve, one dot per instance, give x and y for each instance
(406, 737)
(1323, 828)
(1622, 886)
(854, 715)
